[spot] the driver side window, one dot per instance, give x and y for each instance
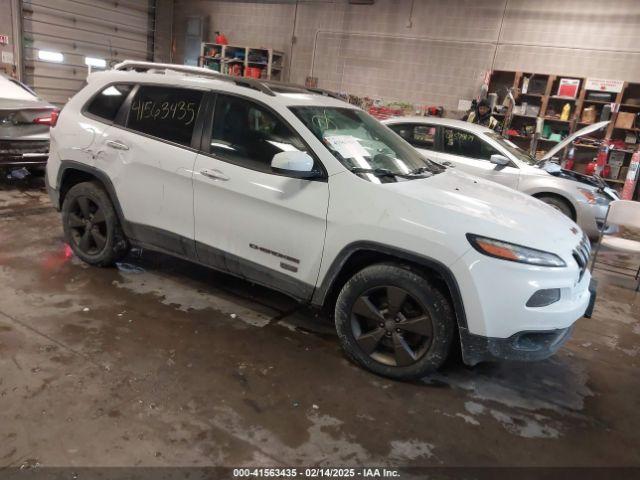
(466, 144)
(248, 134)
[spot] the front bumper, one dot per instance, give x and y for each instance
(522, 346)
(530, 345)
(590, 218)
(495, 294)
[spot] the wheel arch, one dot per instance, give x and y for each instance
(359, 255)
(563, 198)
(71, 173)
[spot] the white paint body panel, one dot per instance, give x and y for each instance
(314, 221)
(431, 218)
(253, 210)
(152, 179)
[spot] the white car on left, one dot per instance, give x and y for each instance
(482, 152)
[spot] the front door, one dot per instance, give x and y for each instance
(265, 227)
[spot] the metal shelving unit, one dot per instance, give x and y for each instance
(242, 61)
(543, 95)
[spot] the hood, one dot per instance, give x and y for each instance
(492, 210)
(567, 141)
(591, 180)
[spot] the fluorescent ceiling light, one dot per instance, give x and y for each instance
(95, 62)
(50, 56)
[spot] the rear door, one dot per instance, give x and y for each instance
(149, 155)
(266, 227)
(471, 154)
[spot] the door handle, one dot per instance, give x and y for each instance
(117, 145)
(214, 174)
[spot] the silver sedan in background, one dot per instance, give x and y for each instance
(24, 125)
(481, 152)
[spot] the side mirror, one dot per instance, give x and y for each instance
(499, 160)
(551, 167)
(294, 164)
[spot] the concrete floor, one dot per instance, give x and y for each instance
(165, 363)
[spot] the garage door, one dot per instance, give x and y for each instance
(59, 36)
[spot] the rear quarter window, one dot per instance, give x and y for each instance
(107, 103)
(167, 113)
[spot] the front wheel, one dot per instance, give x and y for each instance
(91, 226)
(393, 322)
(561, 205)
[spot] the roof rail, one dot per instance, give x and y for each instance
(302, 89)
(240, 81)
(326, 93)
(145, 66)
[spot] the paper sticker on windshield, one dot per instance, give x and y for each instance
(347, 146)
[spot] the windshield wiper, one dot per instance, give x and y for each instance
(419, 170)
(383, 172)
(378, 172)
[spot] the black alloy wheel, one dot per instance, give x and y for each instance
(88, 226)
(391, 326)
(392, 320)
(91, 225)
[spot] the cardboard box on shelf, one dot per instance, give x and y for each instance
(625, 120)
(589, 115)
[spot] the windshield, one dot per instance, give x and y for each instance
(365, 146)
(512, 148)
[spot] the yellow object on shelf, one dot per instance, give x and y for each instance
(566, 111)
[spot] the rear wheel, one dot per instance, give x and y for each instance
(559, 204)
(91, 226)
(392, 321)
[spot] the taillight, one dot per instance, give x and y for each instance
(50, 119)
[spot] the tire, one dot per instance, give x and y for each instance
(91, 226)
(399, 346)
(559, 204)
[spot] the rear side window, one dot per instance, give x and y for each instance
(165, 112)
(418, 135)
(107, 103)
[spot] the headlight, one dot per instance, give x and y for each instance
(594, 198)
(514, 253)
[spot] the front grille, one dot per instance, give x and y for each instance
(581, 255)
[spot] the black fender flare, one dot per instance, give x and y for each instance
(323, 289)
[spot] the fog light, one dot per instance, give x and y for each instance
(545, 297)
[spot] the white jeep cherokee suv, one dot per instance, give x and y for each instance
(308, 195)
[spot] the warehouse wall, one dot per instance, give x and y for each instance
(105, 29)
(163, 31)
(9, 14)
(430, 51)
